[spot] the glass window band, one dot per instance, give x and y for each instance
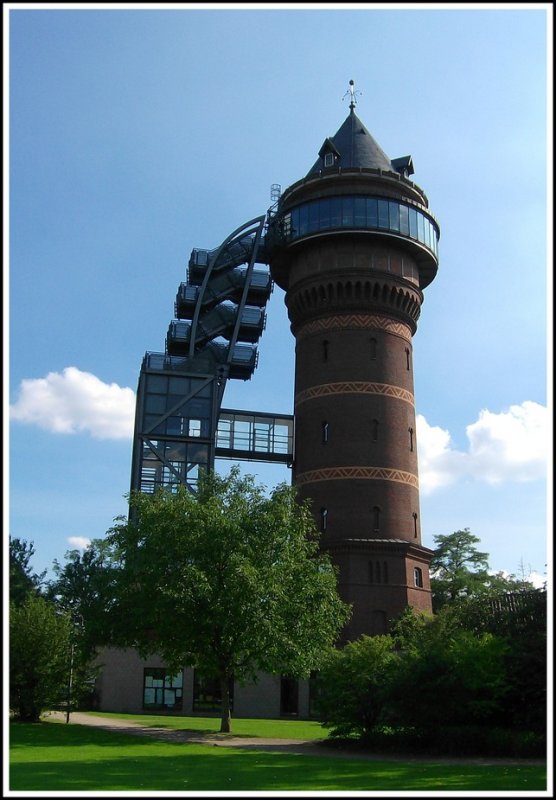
(356, 211)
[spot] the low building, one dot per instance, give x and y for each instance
(128, 684)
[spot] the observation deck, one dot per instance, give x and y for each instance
(368, 208)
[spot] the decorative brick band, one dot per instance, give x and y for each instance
(366, 321)
(354, 387)
(349, 473)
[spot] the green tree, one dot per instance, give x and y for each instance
(520, 619)
(458, 569)
(40, 639)
(354, 686)
(23, 579)
(428, 673)
(446, 675)
(227, 580)
(84, 587)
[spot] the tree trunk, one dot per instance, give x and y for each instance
(226, 719)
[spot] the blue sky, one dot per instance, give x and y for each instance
(138, 134)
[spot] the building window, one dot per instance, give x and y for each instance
(323, 519)
(408, 363)
(161, 689)
(207, 694)
(194, 427)
(371, 572)
(325, 350)
(329, 160)
(418, 577)
(324, 432)
(374, 430)
(414, 525)
(360, 212)
(373, 348)
(289, 697)
(376, 518)
(410, 439)
(385, 572)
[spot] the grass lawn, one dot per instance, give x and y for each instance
(49, 756)
(253, 728)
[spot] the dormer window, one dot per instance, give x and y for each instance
(329, 154)
(404, 166)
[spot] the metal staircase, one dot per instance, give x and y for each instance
(220, 317)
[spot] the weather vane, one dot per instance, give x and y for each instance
(352, 93)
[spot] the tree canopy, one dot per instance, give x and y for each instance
(458, 569)
(39, 656)
(227, 580)
(23, 579)
(84, 587)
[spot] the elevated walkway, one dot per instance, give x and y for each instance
(255, 436)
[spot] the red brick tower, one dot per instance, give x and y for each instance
(353, 244)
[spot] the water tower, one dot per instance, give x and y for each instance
(353, 244)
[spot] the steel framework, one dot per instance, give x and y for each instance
(220, 316)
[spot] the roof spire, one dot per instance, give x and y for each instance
(352, 93)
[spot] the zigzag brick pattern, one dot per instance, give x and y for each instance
(366, 321)
(349, 473)
(355, 387)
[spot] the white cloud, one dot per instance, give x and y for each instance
(439, 464)
(537, 579)
(73, 402)
(533, 577)
(509, 446)
(79, 542)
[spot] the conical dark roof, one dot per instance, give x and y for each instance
(356, 147)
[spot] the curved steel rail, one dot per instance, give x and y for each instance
(253, 228)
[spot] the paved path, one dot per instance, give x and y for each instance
(172, 735)
(312, 747)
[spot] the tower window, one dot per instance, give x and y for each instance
(329, 159)
(378, 573)
(325, 350)
(410, 439)
(373, 348)
(418, 577)
(414, 524)
(408, 363)
(374, 430)
(376, 518)
(324, 432)
(323, 519)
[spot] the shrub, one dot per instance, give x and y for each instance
(353, 687)
(39, 657)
